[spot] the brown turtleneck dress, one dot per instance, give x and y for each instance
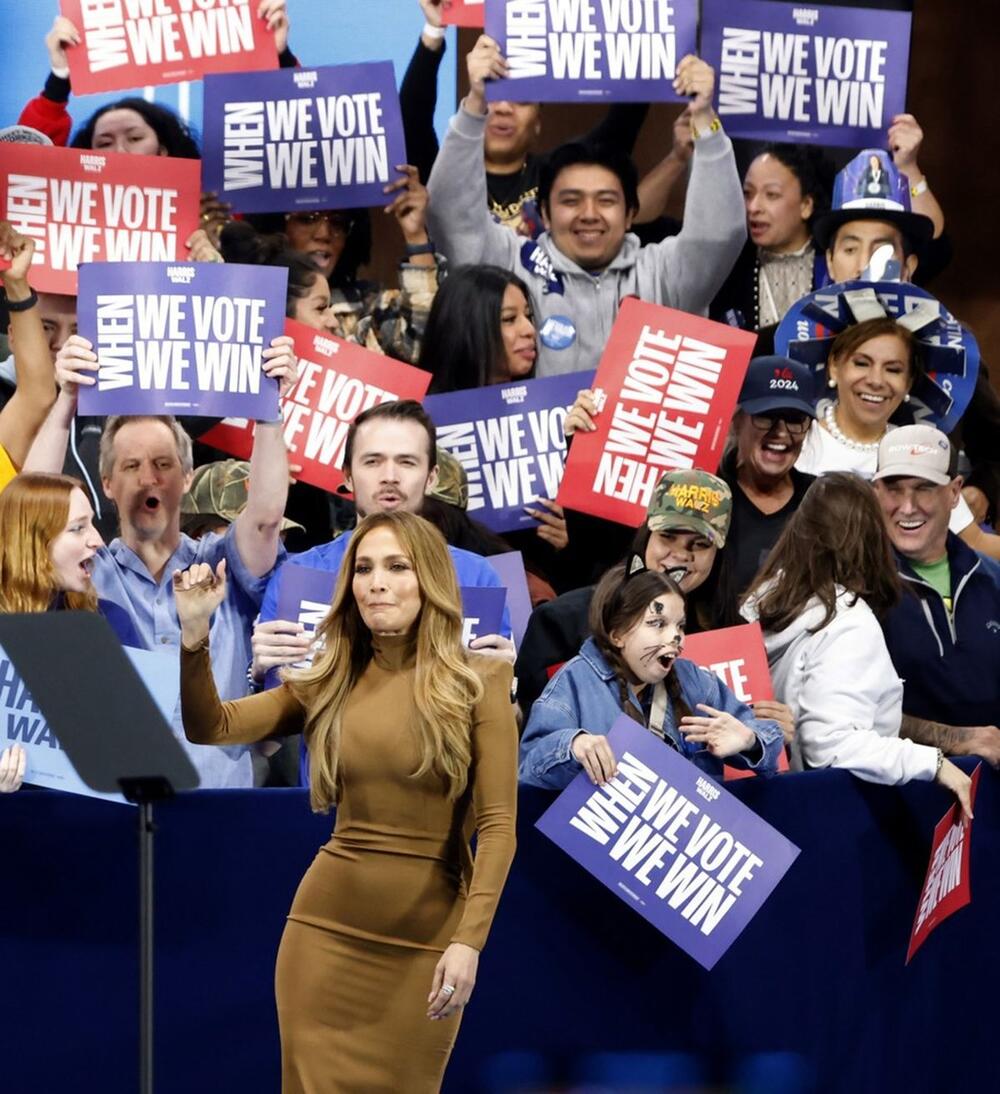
(396, 883)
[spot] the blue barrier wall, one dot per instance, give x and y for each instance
(569, 970)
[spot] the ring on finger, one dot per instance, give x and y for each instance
(448, 989)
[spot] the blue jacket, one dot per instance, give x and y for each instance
(950, 667)
(583, 694)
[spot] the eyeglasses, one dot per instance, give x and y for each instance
(796, 424)
(336, 222)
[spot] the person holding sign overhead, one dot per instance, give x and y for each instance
(414, 741)
(587, 261)
(133, 125)
(631, 664)
(512, 132)
(819, 597)
(25, 412)
(146, 466)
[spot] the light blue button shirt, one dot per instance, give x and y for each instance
(122, 577)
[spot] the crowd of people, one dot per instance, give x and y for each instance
(855, 532)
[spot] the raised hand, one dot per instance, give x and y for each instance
(720, 733)
(484, 62)
(62, 34)
(281, 364)
(275, 13)
(696, 78)
(905, 138)
(75, 364)
(198, 591)
(409, 207)
(18, 250)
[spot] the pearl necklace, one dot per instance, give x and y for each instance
(830, 421)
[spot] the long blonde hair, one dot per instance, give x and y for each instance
(34, 509)
(446, 686)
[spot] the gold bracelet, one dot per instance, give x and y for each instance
(715, 127)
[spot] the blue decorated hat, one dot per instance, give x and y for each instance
(871, 187)
(949, 352)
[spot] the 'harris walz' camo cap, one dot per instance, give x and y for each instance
(693, 500)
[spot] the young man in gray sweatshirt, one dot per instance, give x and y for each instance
(586, 262)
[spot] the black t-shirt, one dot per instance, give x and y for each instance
(513, 198)
(752, 533)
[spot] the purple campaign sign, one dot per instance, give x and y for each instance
(561, 51)
(175, 338)
(482, 611)
(303, 138)
(304, 595)
(509, 439)
(671, 842)
(817, 74)
(510, 567)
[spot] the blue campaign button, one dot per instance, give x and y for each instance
(558, 332)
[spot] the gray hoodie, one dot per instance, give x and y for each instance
(571, 305)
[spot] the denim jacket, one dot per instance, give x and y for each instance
(583, 694)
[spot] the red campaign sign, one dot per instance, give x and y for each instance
(463, 13)
(82, 206)
(946, 886)
(337, 380)
(132, 43)
(738, 657)
(666, 388)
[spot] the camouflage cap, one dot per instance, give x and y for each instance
(452, 484)
(220, 490)
(691, 499)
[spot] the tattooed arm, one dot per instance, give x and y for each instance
(954, 740)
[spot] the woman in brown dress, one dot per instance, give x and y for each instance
(414, 740)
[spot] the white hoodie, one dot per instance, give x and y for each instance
(844, 693)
